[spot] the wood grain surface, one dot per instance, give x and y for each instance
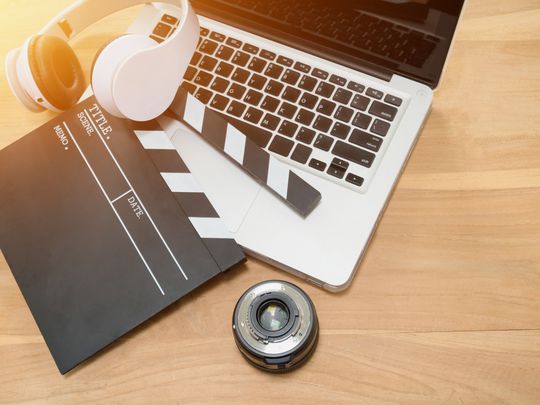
(445, 307)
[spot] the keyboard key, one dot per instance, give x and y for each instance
(208, 63)
(393, 100)
(216, 36)
(342, 96)
(287, 110)
(268, 55)
(240, 75)
(383, 110)
(189, 87)
(169, 19)
(321, 74)
(302, 67)
(236, 91)
(281, 146)
(195, 58)
(235, 43)
(340, 81)
(253, 97)
(344, 113)
(219, 85)
(325, 89)
(307, 83)
(219, 102)
(326, 107)
(204, 32)
(301, 153)
(291, 94)
(208, 47)
(380, 127)
(360, 102)
(253, 115)
(323, 142)
(356, 87)
(282, 60)
(190, 73)
(366, 140)
(270, 121)
(162, 30)
(224, 52)
(251, 49)
(317, 164)
(336, 171)
(270, 104)
(361, 120)
(236, 108)
(288, 128)
(340, 130)
(274, 88)
(354, 154)
(257, 81)
(308, 100)
(322, 123)
(224, 69)
(257, 65)
(374, 93)
(306, 135)
(342, 164)
(290, 77)
(354, 179)
(203, 96)
(305, 117)
(203, 78)
(240, 58)
(274, 70)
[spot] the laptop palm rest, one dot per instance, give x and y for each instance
(230, 190)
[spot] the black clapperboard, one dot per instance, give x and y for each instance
(103, 226)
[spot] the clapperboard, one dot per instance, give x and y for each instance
(103, 226)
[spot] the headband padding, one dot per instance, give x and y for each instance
(56, 71)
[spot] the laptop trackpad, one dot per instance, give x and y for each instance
(230, 190)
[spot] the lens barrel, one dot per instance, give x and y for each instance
(275, 326)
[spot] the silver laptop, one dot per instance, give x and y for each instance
(338, 90)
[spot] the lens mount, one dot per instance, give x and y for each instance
(275, 326)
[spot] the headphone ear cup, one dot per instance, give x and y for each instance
(15, 82)
(106, 64)
(56, 71)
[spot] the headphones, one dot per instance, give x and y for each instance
(133, 76)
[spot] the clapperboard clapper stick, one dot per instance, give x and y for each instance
(266, 169)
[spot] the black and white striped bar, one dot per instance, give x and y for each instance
(265, 168)
(189, 195)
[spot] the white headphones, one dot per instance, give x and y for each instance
(133, 76)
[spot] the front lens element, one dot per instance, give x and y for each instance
(273, 316)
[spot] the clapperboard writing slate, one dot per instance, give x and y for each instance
(95, 238)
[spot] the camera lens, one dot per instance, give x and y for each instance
(275, 326)
(273, 315)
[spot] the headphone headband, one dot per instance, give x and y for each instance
(83, 13)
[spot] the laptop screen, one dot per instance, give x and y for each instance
(407, 37)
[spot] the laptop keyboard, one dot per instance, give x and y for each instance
(307, 116)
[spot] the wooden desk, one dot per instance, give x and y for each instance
(445, 306)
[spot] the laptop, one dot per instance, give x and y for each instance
(337, 90)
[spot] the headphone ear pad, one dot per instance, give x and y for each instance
(106, 64)
(56, 71)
